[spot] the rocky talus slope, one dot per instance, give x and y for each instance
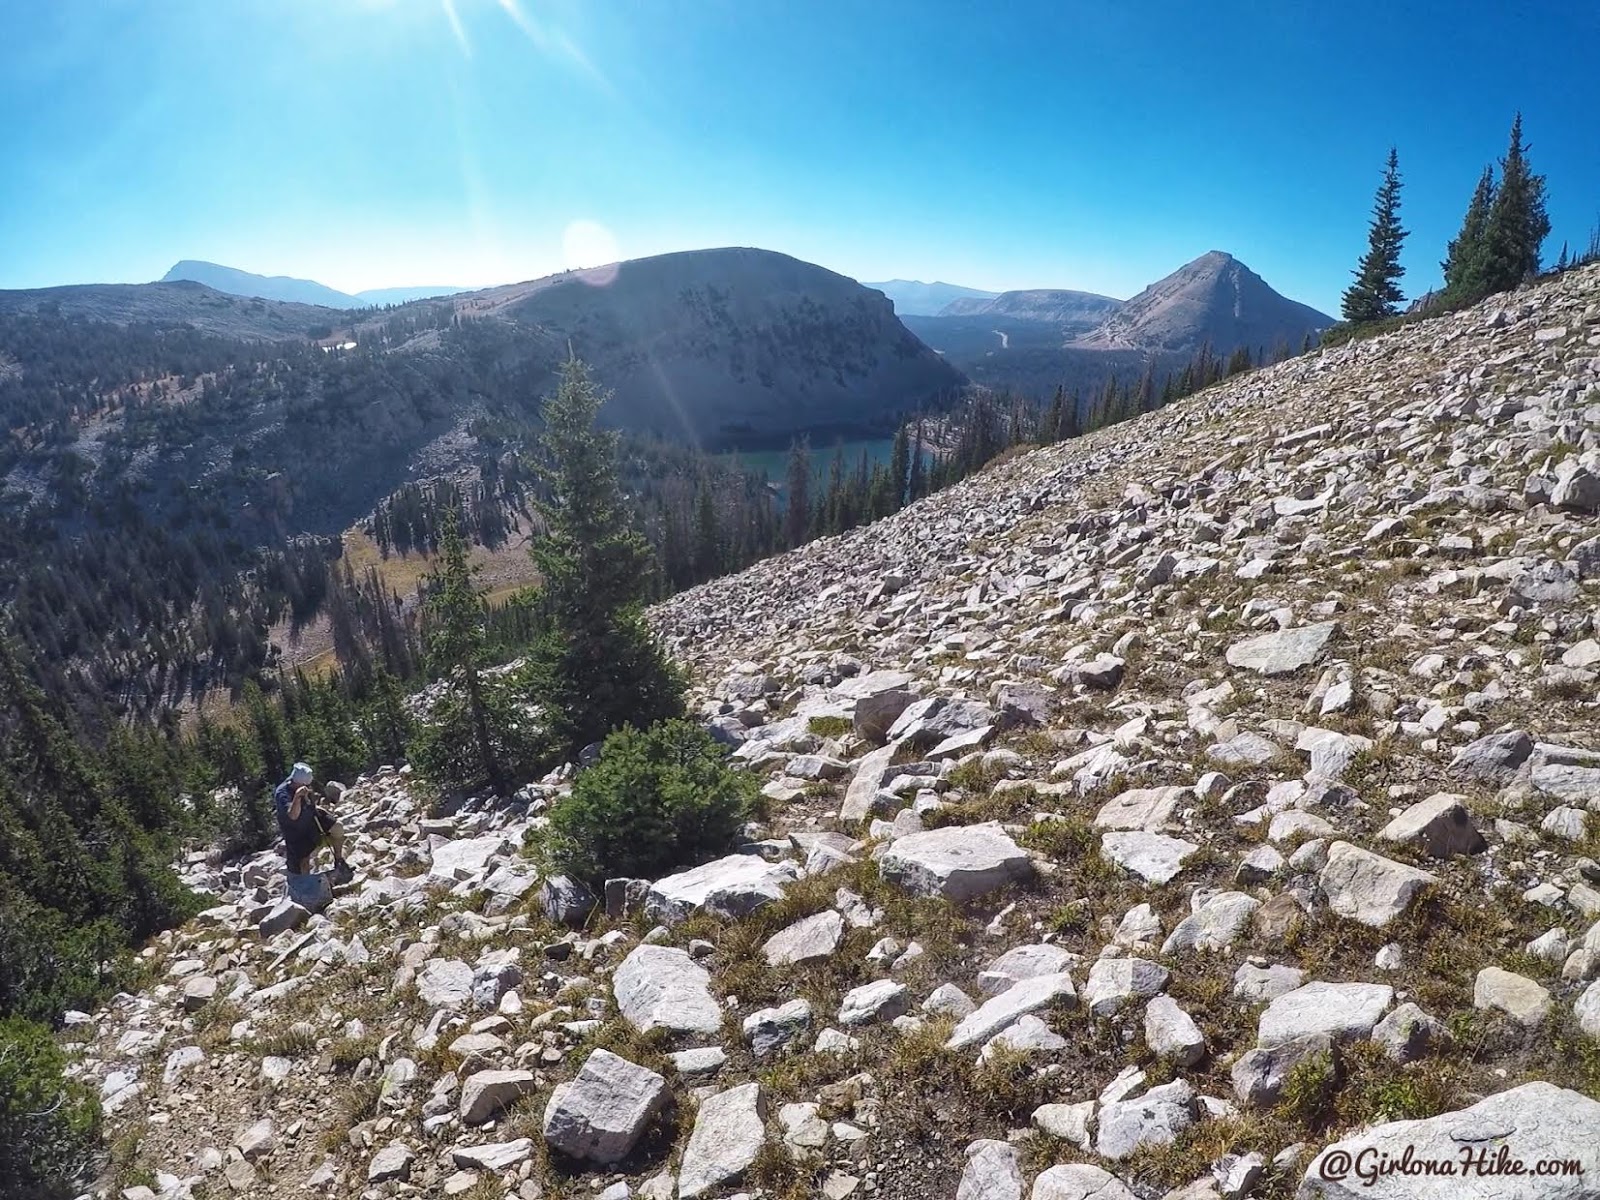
(1203, 808)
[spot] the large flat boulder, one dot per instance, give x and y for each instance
(486, 1093)
(729, 1131)
(993, 1172)
(445, 983)
(661, 987)
(959, 862)
(601, 1114)
(465, 858)
(1153, 857)
(1283, 652)
(1440, 825)
(810, 939)
(1339, 1011)
(861, 798)
(1367, 887)
(1534, 1124)
(1003, 1011)
(734, 886)
(1149, 809)
(938, 718)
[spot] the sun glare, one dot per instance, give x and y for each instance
(588, 244)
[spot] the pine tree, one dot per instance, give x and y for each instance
(797, 514)
(1376, 292)
(1518, 223)
(917, 480)
(1463, 264)
(456, 647)
(899, 468)
(1071, 425)
(1050, 431)
(597, 667)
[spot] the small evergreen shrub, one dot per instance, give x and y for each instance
(446, 751)
(48, 1124)
(654, 802)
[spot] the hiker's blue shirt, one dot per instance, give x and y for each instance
(282, 797)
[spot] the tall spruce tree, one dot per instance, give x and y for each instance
(1518, 223)
(597, 667)
(797, 492)
(899, 467)
(1463, 264)
(917, 477)
(459, 745)
(1376, 293)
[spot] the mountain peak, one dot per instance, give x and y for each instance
(1214, 300)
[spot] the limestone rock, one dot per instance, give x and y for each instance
(729, 1131)
(729, 887)
(1153, 857)
(808, 940)
(603, 1112)
(1367, 887)
(1283, 652)
(1533, 1123)
(1017, 1001)
(1409, 1033)
(660, 987)
(1024, 962)
(769, 1030)
(392, 1162)
(484, 1095)
(1215, 925)
(1259, 1075)
(1079, 1181)
(881, 1000)
(993, 1172)
(958, 862)
(1440, 824)
(1115, 982)
(1153, 1119)
(1340, 1011)
(1171, 1033)
(1519, 997)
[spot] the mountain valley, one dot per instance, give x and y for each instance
(1161, 814)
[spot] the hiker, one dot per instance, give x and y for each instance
(305, 826)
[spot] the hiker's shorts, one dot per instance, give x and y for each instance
(302, 837)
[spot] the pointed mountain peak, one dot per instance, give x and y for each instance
(1215, 300)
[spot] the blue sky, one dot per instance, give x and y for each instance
(371, 143)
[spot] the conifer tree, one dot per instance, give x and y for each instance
(1518, 223)
(899, 468)
(1376, 292)
(1050, 431)
(597, 667)
(917, 477)
(1463, 264)
(797, 514)
(456, 645)
(1071, 425)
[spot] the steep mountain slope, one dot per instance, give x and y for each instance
(297, 291)
(710, 347)
(1213, 796)
(1069, 310)
(912, 297)
(180, 303)
(378, 297)
(729, 345)
(266, 287)
(1215, 300)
